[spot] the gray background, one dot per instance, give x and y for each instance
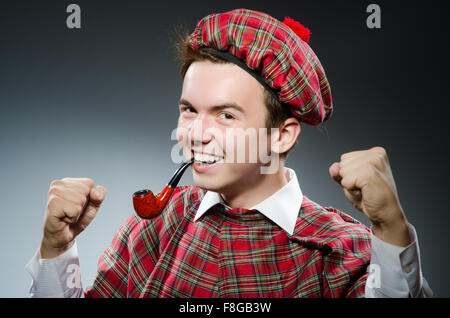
(101, 102)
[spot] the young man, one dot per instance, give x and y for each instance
(243, 230)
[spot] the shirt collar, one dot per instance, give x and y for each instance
(282, 207)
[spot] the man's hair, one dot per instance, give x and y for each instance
(186, 55)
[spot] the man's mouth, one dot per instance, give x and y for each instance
(206, 159)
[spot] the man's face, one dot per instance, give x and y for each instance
(219, 102)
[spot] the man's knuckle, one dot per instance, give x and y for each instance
(82, 200)
(343, 171)
(72, 212)
(380, 150)
(80, 189)
(86, 188)
(345, 182)
(377, 160)
(53, 190)
(89, 182)
(52, 200)
(55, 182)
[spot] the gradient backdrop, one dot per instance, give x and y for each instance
(101, 102)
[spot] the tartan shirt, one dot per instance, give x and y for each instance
(228, 252)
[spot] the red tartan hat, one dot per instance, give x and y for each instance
(275, 53)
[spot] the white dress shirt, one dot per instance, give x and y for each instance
(393, 272)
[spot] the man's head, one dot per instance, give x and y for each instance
(219, 96)
(222, 106)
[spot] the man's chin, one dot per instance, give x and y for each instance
(208, 184)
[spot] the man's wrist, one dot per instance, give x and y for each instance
(395, 232)
(47, 252)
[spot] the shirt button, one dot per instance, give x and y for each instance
(407, 268)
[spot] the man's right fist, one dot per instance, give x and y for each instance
(72, 204)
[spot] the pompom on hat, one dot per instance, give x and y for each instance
(275, 53)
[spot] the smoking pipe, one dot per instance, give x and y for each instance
(147, 205)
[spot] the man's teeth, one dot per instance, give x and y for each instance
(206, 158)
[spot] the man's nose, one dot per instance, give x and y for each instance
(200, 131)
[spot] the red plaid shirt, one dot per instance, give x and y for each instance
(234, 253)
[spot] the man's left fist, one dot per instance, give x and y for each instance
(366, 179)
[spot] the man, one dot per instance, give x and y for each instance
(245, 229)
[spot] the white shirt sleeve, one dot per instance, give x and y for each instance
(395, 271)
(57, 277)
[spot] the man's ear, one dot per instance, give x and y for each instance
(287, 135)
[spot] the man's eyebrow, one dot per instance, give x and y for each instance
(215, 108)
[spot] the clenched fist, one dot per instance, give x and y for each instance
(72, 205)
(367, 181)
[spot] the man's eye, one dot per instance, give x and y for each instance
(187, 109)
(226, 116)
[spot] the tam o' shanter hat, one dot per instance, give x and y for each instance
(275, 53)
